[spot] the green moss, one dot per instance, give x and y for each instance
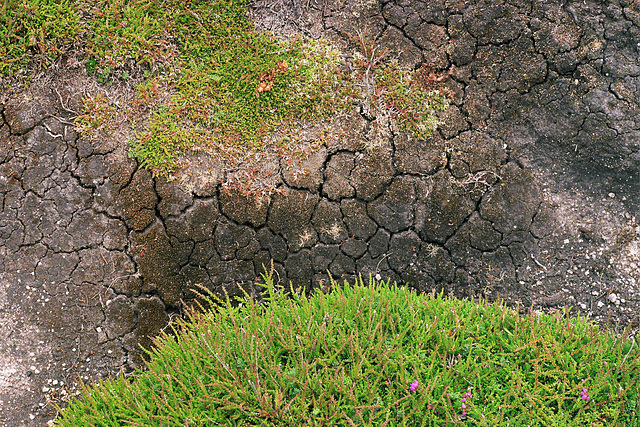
(122, 31)
(231, 86)
(236, 88)
(212, 82)
(35, 30)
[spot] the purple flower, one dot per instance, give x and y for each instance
(584, 394)
(463, 405)
(414, 385)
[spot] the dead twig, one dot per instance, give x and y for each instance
(64, 107)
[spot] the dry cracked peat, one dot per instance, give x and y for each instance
(529, 191)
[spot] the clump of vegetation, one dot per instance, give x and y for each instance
(36, 31)
(373, 355)
(392, 96)
(211, 82)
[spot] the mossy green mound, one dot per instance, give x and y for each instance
(374, 355)
(205, 79)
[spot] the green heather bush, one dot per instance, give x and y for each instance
(373, 355)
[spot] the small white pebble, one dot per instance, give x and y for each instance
(31, 416)
(600, 304)
(612, 297)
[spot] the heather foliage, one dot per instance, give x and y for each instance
(373, 355)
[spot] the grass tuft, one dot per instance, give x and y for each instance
(373, 355)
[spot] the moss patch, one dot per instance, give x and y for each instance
(206, 81)
(36, 31)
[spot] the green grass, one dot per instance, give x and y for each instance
(350, 357)
(206, 80)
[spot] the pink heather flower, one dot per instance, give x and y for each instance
(584, 394)
(463, 406)
(414, 385)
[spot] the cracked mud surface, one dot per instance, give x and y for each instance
(529, 191)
